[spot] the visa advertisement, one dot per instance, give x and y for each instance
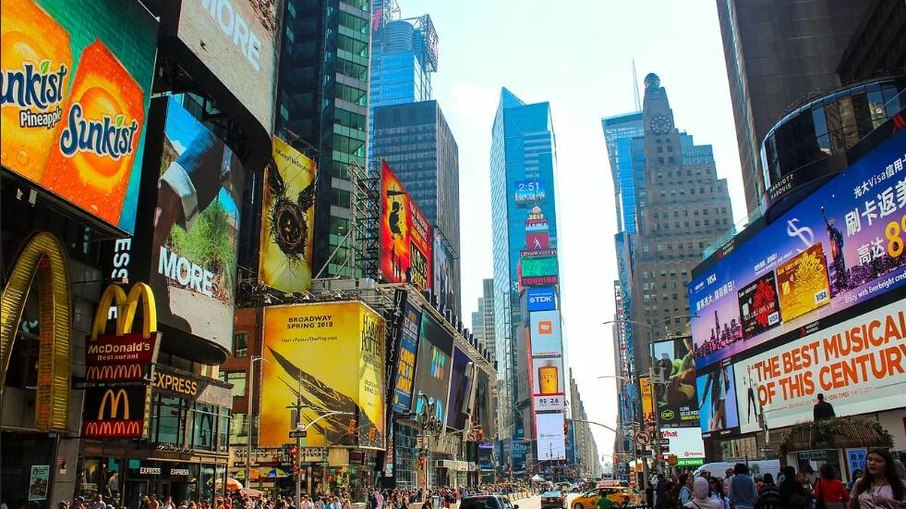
(717, 401)
(541, 298)
(236, 40)
(76, 90)
(288, 220)
(677, 401)
(434, 367)
(857, 364)
(551, 438)
(297, 340)
(840, 246)
(196, 229)
(406, 238)
(405, 370)
(546, 339)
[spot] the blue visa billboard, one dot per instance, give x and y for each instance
(840, 246)
(541, 298)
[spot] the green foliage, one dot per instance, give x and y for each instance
(210, 244)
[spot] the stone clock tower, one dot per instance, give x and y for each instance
(682, 208)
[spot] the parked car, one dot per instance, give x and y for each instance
(487, 502)
(553, 499)
(619, 495)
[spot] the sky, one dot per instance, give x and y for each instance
(576, 54)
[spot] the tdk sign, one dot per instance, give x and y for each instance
(542, 299)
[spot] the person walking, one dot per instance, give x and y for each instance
(880, 487)
(768, 494)
(830, 490)
(743, 494)
(687, 483)
(700, 496)
(792, 494)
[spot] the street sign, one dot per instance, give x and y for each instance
(642, 438)
(766, 450)
(646, 454)
(298, 433)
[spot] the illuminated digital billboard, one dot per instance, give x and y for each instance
(406, 238)
(857, 364)
(842, 245)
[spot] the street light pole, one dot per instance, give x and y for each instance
(650, 345)
(249, 415)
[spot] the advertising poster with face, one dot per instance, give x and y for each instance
(677, 401)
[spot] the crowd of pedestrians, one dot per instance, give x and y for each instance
(881, 486)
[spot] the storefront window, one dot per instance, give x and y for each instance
(223, 437)
(206, 486)
(220, 480)
(204, 427)
(170, 416)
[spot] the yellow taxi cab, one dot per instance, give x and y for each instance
(619, 495)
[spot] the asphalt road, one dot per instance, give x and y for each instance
(535, 502)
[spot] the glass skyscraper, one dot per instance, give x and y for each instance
(523, 154)
(403, 57)
(322, 107)
(416, 141)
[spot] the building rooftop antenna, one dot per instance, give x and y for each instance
(635, 87)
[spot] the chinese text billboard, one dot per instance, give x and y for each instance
(196, 229)
(546, 339)
(288, 215)
(76, 89)
(840, 246)
(433, 369)
(677, 403)
(406, 239)
(405, 370)
(298, 342)
(857, 364)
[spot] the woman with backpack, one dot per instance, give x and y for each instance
(768, 494)
(792, 494)
(830, 491)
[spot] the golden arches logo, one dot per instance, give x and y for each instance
(114, 397)
(114, 372)
(126, 305)
(43, 261)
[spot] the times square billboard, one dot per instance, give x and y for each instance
(841, 249)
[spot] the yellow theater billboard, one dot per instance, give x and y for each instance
(331, 357)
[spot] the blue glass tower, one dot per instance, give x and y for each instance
(523, 153)
(403, 57)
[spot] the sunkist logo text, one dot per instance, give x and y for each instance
(34, 87)
(111, 137)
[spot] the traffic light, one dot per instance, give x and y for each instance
(566, 427)
(294, 454)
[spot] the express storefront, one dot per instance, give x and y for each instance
(186, 455)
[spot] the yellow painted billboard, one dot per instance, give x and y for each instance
(331, 357)
(647, 399)
(288, 219)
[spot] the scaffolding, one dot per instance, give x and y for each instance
(364, 221)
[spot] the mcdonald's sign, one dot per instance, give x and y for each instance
(116, 412)
(123, 356)
(43, 263)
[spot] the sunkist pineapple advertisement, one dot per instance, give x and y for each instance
(74, 93)
(342, 403)
(287, 228)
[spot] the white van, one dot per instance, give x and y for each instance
(755, 467)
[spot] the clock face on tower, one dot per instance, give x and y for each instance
(661, 124)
